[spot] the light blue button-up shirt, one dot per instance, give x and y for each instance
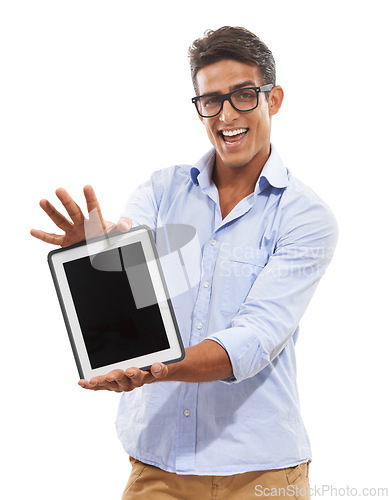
(246, 288)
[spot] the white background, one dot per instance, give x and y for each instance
(99, 92)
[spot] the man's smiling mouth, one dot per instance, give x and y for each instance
(233, 136)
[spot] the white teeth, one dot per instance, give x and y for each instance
(234, 132)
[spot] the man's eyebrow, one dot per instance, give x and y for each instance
(248, 83)
(237, 86)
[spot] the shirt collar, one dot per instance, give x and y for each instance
(274, 171)
(201, 172)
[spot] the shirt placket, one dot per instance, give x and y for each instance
(187, 407)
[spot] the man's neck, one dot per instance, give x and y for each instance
(235, 183)
(240, 180)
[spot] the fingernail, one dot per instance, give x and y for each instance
(129, 374)
(126, 225)
(82, 385)
(158, 368)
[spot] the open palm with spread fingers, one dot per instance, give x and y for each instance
(78, 228)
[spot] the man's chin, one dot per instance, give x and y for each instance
(234, 161)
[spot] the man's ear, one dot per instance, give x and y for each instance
(275, 100)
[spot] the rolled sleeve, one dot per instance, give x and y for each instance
(281, 293)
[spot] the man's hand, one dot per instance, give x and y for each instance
(79, 228)
(120, 381)
(203, 362)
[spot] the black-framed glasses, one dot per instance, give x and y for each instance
(245, 99)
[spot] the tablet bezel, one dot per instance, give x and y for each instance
(142, 234)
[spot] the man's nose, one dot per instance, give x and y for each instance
(228, 113)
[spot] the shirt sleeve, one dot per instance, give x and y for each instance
(278, 298)
(143, 204)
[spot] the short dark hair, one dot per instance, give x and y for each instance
(234, 43)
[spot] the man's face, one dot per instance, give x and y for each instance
(252, 146)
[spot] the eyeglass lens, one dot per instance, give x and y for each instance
(243, 100)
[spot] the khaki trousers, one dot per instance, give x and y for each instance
(147, 482)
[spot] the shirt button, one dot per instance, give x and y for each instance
(206, 284)
(213, 242)
(199, 326)
(187, 413)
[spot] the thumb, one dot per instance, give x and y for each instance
(124, 224)
(159, 370)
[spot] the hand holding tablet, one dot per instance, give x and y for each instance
(120, 381)
(75, 228)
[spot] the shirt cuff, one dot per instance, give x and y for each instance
(246, 354)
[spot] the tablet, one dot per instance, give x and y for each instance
(115, 303)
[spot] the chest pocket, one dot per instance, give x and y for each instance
(239, 275)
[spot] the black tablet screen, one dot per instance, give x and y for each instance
(116, 305)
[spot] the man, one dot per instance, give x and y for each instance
(225, 421)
